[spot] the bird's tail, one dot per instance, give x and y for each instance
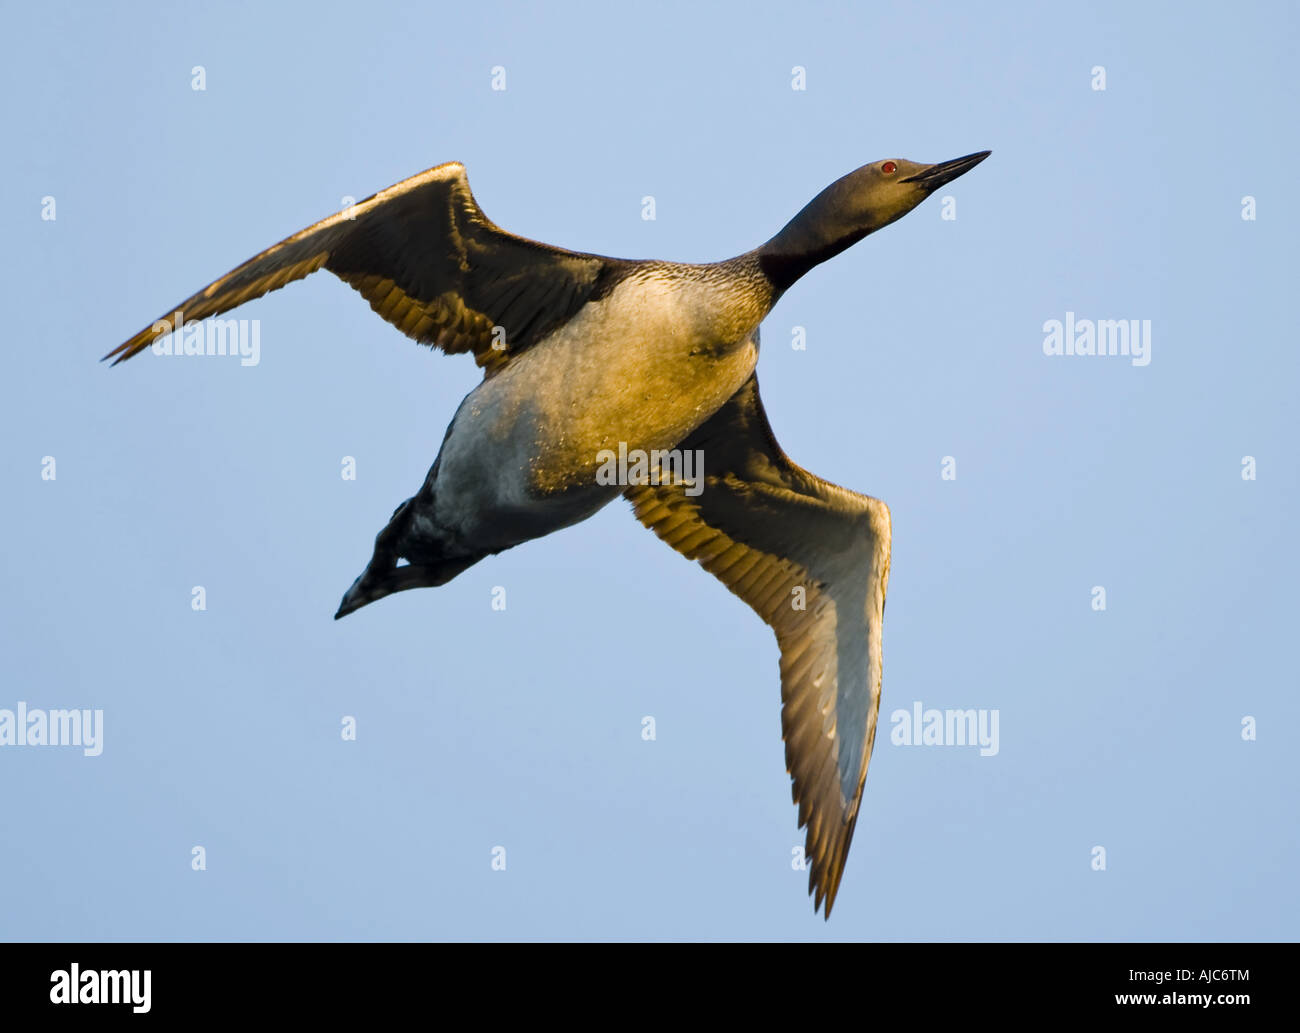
(384, 575)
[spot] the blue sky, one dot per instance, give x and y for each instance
(521, 728)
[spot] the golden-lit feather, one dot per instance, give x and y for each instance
(767, 529)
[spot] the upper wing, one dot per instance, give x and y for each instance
(429, 261)
(767, 528)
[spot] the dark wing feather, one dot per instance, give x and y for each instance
(767, 528)
(429, 261)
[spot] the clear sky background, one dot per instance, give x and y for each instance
(478, 728)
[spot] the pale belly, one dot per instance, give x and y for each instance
(523, 451)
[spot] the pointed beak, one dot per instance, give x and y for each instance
(946, 171)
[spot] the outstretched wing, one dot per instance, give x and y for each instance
(812, 559)
(429, 261)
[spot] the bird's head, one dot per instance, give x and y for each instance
(862, 202)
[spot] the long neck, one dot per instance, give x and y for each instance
(820, 231)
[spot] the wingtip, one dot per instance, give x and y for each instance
(824, 890)
(121, 353)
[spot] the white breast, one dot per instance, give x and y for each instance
(643, 366)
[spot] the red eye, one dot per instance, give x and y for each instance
(889, 168)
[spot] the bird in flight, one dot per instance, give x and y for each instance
(585, 357)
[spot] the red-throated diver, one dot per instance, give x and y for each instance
(584, 355)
